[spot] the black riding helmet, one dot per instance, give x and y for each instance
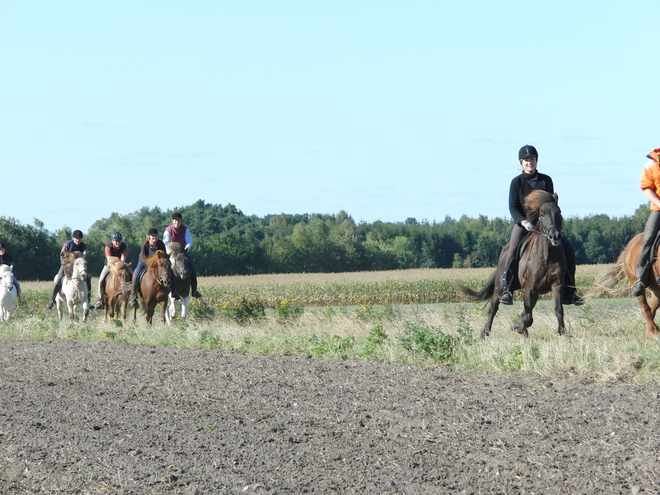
(527, 151)
(116, 236)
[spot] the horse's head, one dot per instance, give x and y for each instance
(6, 277)
(180, 265)
(545, 215)
(79, 270)
(160, 264)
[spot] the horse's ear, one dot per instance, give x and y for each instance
(556, 196)
(128, 264)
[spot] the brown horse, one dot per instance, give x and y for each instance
(155, 286)
(608, 281)
(117, 289)
(541, 266)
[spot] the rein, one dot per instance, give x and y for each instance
(545, 231)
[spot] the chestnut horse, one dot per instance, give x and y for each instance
(155, 286)
(541, 265)
(624, 267)
(117, 289)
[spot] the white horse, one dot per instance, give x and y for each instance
(7, 292)
(74, 287)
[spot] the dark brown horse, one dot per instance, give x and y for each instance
(117, 289)
(624, 267)
(181, 279)
(155, 286)
(541, 266)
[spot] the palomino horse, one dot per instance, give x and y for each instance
(155, 286)
(74, 286)
(117, 289)
(7, 292)
(624, 267)
(541, 266)
(181, 279)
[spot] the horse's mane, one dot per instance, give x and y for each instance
(116, 265)
(174, 248)
(534, 201)
(68, 258)
(155, 259)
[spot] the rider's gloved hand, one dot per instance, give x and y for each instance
(527, 225)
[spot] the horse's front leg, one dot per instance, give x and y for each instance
(526, 320)
(557, 292)
(72, 309)
(164, 313)
(85, 306)
(60, 314)
(172, 307)
(184, 308)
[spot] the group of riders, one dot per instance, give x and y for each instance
(116, 248)
(530, 179)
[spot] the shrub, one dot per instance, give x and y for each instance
(289, 309)
(430, 343)
(243, 310)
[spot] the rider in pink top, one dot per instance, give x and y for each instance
(177, 232)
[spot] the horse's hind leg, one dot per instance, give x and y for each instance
(492, 311)
(648, 313)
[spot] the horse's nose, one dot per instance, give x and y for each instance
(554, 237)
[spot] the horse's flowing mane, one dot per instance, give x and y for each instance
(174, 248)
(116, 265)
(69, 257)
(534, 201)
(153, 261)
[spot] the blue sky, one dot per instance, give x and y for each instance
(384, 109)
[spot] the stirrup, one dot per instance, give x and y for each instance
(506, 297)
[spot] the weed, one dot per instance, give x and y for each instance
(289, 309)
(429, 342)
(243, 310)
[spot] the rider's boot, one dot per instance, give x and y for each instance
(639, 287)
(56, 288)
(570, 295)
(193, 284)
(506, 297)
(99, 304)
(134, 290)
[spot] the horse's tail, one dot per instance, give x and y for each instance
(608, 282)
(485, 293)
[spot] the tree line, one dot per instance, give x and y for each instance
(228, 242)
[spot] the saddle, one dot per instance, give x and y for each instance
(523, 245)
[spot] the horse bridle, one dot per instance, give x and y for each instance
(161, 276)
(9, 284)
